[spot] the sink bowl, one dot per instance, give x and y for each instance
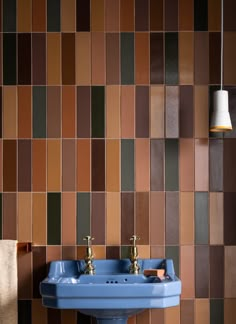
(112, 294)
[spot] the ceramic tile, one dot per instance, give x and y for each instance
(142, 163)
(98, 218)
(214, 57)
(156, 58)
(112, 58)
(53, 165)
(171, 58)
(97, 15)
(9, 112)
(172, 112)
(54, 218)
(230, 273)
(9, 58)
(157, 218)
(53, 112)
(201, 62)
(24, 311)
(9, 208)
(98, 165)
(216, 213)
(83, 165)
(171, 15)
(216, 165)
(200, 15)
(39, 313)
(214, 15)
(201, 274)
(202, 311)
(98, 58)
(68, 20)
(112, 166)
(69, 253)
(82, 15)
(186, 14)
(187, 311)
(53, 15)
(143, 317)
(201, 208)
(39, 268)
(157, 165)
(24, 165)
(24, 16)
(112, 252)
(127, 165)
(156, 15)
(142, 217)
(127, 217)
(127, 57)
(68, 111)
(201, 165)
(68, 316)
(229, 310)
(171, 164)
(38, 15)
(38, 165)
(98, 111)
(112, 15)
(172, 252)
(229, 171)
(24, 112)
(24, 58)
(112, 111)
(186, 57)
(201, 111)
(216, 311)
(142, 111)
(127, 111)
(157, 112)
(229, 54)
(54, 58)
(82, 59)
(38, 58)
(127, 15)
(229, 219)
(24, 265)
(68, 218)
(83, 111)
(9, 165)
(68, 165)
(68, 59)
(39, 218)
(186, 164)
(229, 18)
(83, 217)
(172, 218)
(216, 278)
(9, 15)
(54, 315)
(186, 227)
(113, 219)
(141, 15)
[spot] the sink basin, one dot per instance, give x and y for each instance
(112, 294)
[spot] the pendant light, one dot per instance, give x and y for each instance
(220, 119)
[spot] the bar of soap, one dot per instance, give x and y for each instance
(154, 272)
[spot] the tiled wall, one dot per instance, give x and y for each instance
(104, 131)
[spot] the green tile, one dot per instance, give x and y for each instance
(0, 216)
(9, 15)
(216, 311)
(201, 218)
(54, 218)
(127, 58)
(125, 252)
(171, 165)
(171, 58)
(83, 216)
(9, 59)
(172, 252)
(39, 112)
(53, 16)
(127, 165)
(98, 112)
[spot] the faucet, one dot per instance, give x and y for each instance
(89, 269)
(134, 267)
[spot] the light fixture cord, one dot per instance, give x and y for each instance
(222, 44)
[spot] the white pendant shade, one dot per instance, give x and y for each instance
(220, 119)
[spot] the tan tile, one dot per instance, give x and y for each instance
(112, 165)
(201, 165)
(157, 218)
(157, 252)
(113, 218)
(230, 271)
(201, 112)
(113, 111)
(187, 218)
(186, 61)
(83, 59)
(144, 251)
(99, 251)
(143, 317)
(68, 10)
(202, 311)
(216, 218)
(172, 315)
(142, 166)
(187, 271)
(157, 112)
(10, 112)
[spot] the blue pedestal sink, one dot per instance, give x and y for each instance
(112, 294)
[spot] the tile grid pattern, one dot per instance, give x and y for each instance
(104, 130)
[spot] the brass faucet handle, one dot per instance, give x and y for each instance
(89, 240)
(134, 238)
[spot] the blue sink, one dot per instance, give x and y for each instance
(112, 294)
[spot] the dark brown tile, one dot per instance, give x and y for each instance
(229, 218)
(229, 16)
(24, 58)
(112, 58)
(54, 112)
(186, 110)
(68, 165)
(83, 111)
(202, 271)
(54, 316)
(186, 14)
(9, 209)
(98, 218)
(38, 58)
(229, 165)
(157, 165)
(141, 15)
(98, 165)
(171, 15)
(172, 218)
(24, 165)
(214, 58)
(39, 268)
(201, 61)
(24, 112)
(112, 252)
(156, 58)
(142, 111)
(24, 275)
(156, 15)
(216, 277)
(142, 217)
(68, 58)
(187, 311)
(39, 15)
(127, 217)
(9, 165)
(82, 15)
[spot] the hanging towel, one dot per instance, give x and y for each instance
(8, 282)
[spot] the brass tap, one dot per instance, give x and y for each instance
(89, 269)
(134, 267)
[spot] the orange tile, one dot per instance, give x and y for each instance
(24, 112)
(39, 236)
(83, 59)
(112, 165)
(143, 317)
(229, 55)
(157, 112)
(80, 252)
(187, 266)
(39, 312)
(230, 271)
(68, 10)
(99, 251)
(10, 112)
(201, 165)
(112, 19)
(113, 111)
(214, 15)
(201, 111)
(69, 218)
(132, 320)
(39, 15)
(68, 112)
(142, 58)
(1, 159)
(172, 315)
(83, 165)
(98, 58)
(186, 57)
(53, 165)
(24, 16)
(186, 161)
(142, 165)
(68, 316)
(157, 218)
(97, 15)
(127, 111)
(186, 218)
(229, 311)
(39, 165)
(144, 251)
(202, 311)
(24, 216)
(53, 253)
(53, 58)
(113, 218)
(216, 218)
(126, 15)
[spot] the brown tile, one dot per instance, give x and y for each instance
(142, 111)
(214, 58)
(24, 58)
(186, 164)
(158, 252)
(201, 271)
(141, 58)
(68, 218)
(172, 112)
(171, 15)
(187, 218)
(99, 251)
(187, 271)
(132, 320)
(216, 214)
(24, 16)
(68, 316)
(157, 218)
(157, 165)
(83, 111)
(141, 15)
(127, 217)
(127, 15)
(24, 275)
(9, 165)
(142, 162)
(229, 165)
(172, 218)
(68, 9)
(1, 55)
(113, 111)
(186, 8)
(83, 165)
(156, 15)
(68, 253)
(38, 15)
(9, 231)
(202, 311)
(39, 312)
(229, 18)
(216, 277)
(68, 58)
(1, 164)
(112, 18)
(216, 168)
(54, 315)
(83, 59)
(186, 57)
(143, 317)
(113, 218)
(229, 219)
(156, 58)
(142, 217)
(112, 252)
(201, 165)
(112, 58)
(97, 15)
(127, 111)
(157, 112)
(98, 58)
(172, 315)
(201, 62)
(214, 15)
(157, 316)
(201, 111)
(53, 165)
(39, 165)
(24, 216)
(9, 112)
(229, 311)
(53, 112)
(68, 165)
(39, 268)
(39, 58)
(187, 311)
(112, 165)
(98, 218)
(53, 58)
(186, 111)
(229, 55)
(68, 112)
(24, 112)
(39, 218)
(98, 165)
(53, 253)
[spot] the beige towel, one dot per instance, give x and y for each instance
(8, 282)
